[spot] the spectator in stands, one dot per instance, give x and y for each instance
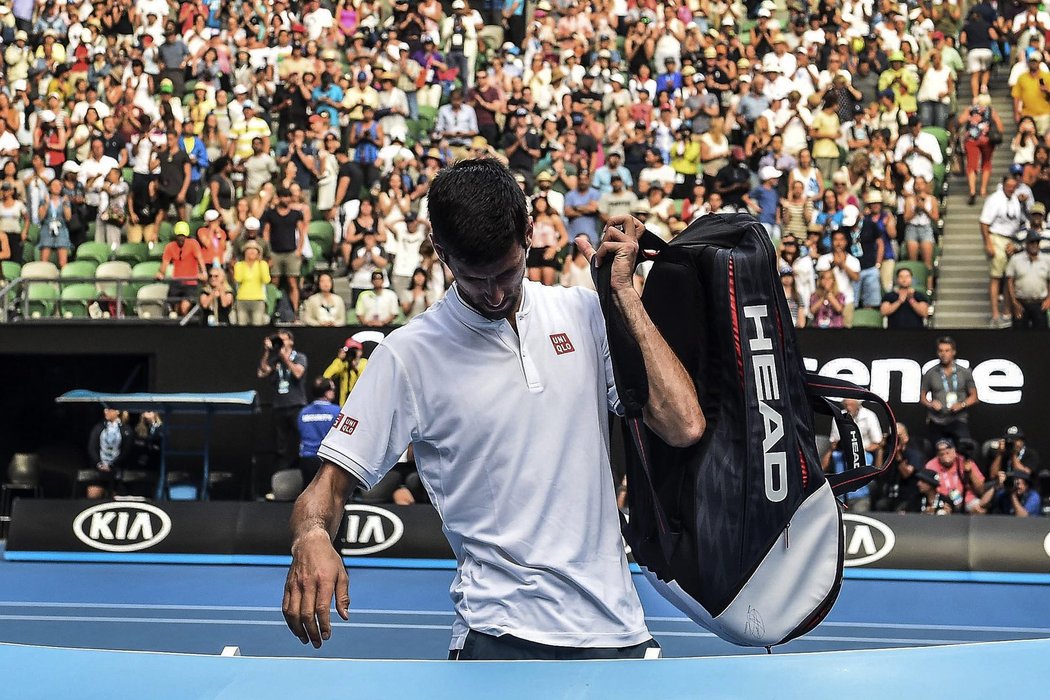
(346, 367)
(14, 222)
(905, 306)
(184, 258)
(216, 299)
(284, 367)
(947, 392)
(378, 306)
(764, 200)
(921, 212)
(109, 448)
(1002, 216)
(977, 36)
(315, 420)
(251, 274)
(1029, 92)
(175, 175)
(827, 304)
(733, 181)
(1028, 284)
(977, 128)
(796, 307)
(549, 237)
(927, 497)
(961, 483)
(55, 214)
(212, 239)
(1013, 454)
(844, 266)
(581, 209)
(285, 229)
(324, 307)
(935, 91)
(898, 485)
(1013, 495)
(414, 300)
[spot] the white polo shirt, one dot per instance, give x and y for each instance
(511, 441)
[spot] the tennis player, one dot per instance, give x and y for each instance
(503, 388)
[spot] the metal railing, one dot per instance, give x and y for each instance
(15, 300)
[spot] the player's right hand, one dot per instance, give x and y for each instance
(316, 575)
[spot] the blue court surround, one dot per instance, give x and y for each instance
(401, 611)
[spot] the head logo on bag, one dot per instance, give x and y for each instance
(767, 388)
(867, 539)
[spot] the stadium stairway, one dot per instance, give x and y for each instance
(962, 277)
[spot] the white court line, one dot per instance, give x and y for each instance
(438, 613)
(445, 628)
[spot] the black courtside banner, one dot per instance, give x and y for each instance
(63, 529)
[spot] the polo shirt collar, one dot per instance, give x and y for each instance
(469, 317)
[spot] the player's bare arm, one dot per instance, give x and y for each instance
(317, 572)
(673, 410)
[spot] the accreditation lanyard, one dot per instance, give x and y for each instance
(283, 375)
(951, 396)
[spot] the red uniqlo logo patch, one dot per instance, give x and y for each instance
(562, 344)
(346, 424)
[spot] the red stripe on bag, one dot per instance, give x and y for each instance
(736, 324)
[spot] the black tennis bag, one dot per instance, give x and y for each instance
(741, 531)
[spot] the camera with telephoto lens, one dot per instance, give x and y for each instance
(276, 342)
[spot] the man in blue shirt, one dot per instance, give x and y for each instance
(581, 209)
(194, 147)
(314, 422)
(327, 96)
(670, 80)
(1016, 497)
(613, 166)
(766, 200)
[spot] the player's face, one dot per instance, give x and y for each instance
(494, 289)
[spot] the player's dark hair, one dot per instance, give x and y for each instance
(946, 340)
(477, 211)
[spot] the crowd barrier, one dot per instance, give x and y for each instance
(257, 532)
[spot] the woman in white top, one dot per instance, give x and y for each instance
(1024, 143)
(324, 308)
(548, 238)
(714, 148)
(14, 221)
(576, 272)
(935, 91)
(808, 174)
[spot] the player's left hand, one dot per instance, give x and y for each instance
(620, 240)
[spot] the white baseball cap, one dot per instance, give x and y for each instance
(211, 215)
(240, 90)
(252, 223)
(768, 172)
(18, 85)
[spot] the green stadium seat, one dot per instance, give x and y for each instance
(155, 253)
(33, 235)
(919, 273)
(41, 300)
(351, 317)
(152, 301)
(867, 318)
(99, 252)
(78, 268)
(113, 270)
(165, 231)
(10, 270)
(142, 274)
(132, 253)
(75, 300)
(129, 174)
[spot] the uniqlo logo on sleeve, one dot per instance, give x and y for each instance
(562, 344)
(346, 424)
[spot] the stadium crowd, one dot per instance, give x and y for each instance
(271, 141)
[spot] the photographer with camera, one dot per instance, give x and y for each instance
(1012, 454)
(961, 483)
(1014, 496)
(285, 367)
(347, 367)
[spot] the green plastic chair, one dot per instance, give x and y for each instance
(132, 253)
(165, 231)
(152, 300)
(867, 318)
(78, 268)
(920, 275)
(142, 274)
(33, 235)
(113, 270)
(99, 252)
(322, 233)
(351, 317)
(10, 270)
(75, 300)
(42, 300)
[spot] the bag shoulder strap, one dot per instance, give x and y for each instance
(856, 473)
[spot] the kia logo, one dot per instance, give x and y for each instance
(121, 527)
(867, 539)
(369, 530)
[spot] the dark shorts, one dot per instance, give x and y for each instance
(179, 291)
(485, 647)
(535, 259)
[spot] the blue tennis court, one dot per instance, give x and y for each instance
(405, 613)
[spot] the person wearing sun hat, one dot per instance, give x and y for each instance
(902, 81)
